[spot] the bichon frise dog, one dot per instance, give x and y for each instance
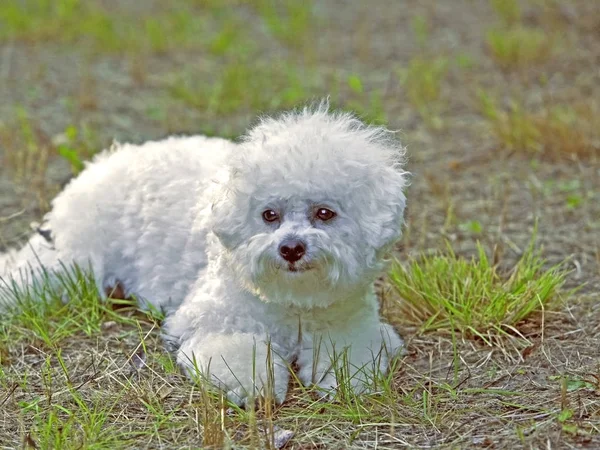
(262, 253)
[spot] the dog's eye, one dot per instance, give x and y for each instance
(325, 214)
(270, 216)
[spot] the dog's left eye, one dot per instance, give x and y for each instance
(325, 214)
(270, 216)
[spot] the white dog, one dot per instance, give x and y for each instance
(262, 253)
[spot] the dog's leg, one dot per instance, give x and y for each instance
(355, 357)
(243, 365)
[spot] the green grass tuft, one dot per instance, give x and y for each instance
(290, 21)
(242, 87)
(423, 81)
(472, 297)
(519, 46)
(558, 130)
(41, 315)
(93, 25)
(509, 11)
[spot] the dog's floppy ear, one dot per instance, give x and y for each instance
(393, 186)
(382, 157)
(229, 210)
(226, 217)
(385, 212)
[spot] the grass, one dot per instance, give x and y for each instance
(66, 20)
(508, 11)
(519, 47)
(423, 81)
(93, 25)
(153, 31)
(77, 400)
(71, 389)
(367, 103)
(473, 297)
(45, 318)
(86, 374)
(556, 131)
(76, 146)
(514, 45)
(288, 20)
(29, 150)
(245, 87)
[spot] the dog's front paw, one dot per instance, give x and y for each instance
(349, 363)
(335, 374)
(241, 364)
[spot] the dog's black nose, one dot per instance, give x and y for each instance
(292, 250)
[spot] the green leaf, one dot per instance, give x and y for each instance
(355, 84)
(474, 226)
(71, 133)
(72, 156)
(573, 201)
(565, 415)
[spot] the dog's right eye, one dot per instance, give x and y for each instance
(270, 216)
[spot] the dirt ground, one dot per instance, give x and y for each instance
(468, 183)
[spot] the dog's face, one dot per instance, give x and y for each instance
(310, 206)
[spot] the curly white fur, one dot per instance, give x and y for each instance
(179, 224)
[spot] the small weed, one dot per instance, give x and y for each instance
(44, 317)
(242, 87)
(231, 41)
(368, 104)
(572, 383)
(422, 80)
(69, 21)
(509, 11)
(420, 27)
(465, 61)
(289, 21)
(519, 46)
(473, 226)
(555, 131)
(371, 108)
(28, 149)
(76, 146)
(87, 97)
(444, 291)
(514, 129)
(574, 201)
(355, 84)
(63, 20)
(175, 29)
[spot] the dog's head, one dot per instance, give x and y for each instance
(312, 203)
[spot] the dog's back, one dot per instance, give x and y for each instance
(130, 214)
